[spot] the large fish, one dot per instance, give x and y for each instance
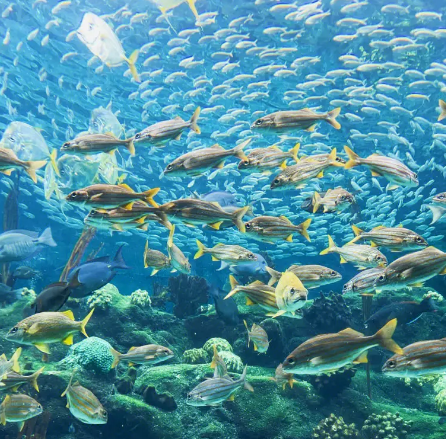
(19, 408)
(329, 352)
(9, 161)
(148, 354)
(438, 209)
(227, 254)
(14, 380)
(88, 144)
(311, 276)
(270, 228)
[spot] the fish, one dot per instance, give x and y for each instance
(290, 293)
(100, 39)
(145, 355)
(19, 408)
(420, 359)
(155, 259)
(227, 254)
(311, 276)
(282, 378)
(264, 159)
(178, 260)
(226, 310)
(219, 366)
(258, 336)
(39, 330)
(251, 269)
(10, 365)
(108, 196)
(94, 274)
(54, 296)
(214, 391)
(192, 212)
(18, 245)
(396, 239)
(362, 256)
(364, 282)
(405, 312)
(9, 162)
(412, 270)
(300, 174)
(438, 209)
(334, 200)
(305, 119)
(270, 229)
(14, 380)
(24, 272)
(83, 404)
(442, 105)
(167, 5)
(394, 171)
(199, 161)
(87, 144)
(160, 133)
(103, 121)
(329, 352)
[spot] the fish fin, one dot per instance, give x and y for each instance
(283, 165)
(237, 218)
(255, 347)
(417, 285)
(8, 172)
(320, 175)
(331, 246)
(15, 360)
(42, 347)
(343, 261)
(117, 227)
(233, 281)
(154, 271)
(311, 129)
(94, 197)
(130, 145)
(32, 167)
(362, 358)
(356, 230)
(53, 157)
(275, 275)
(279, 313)
(304, 229)
(193, 121)
(192, 7)
(201, 249)
(442, 105)
(68, 313)
(21, 425)
(249, 302)
(373, 244)
(231, 398)
(131, 62)
(285, 219)
(331, 118)
(294, 150)
(437, 212)
(126, 186)
(214, 259)
(116, 357)
(442, 272)
(68, 340)
(238, 150)
(354, 159)
(289, 238)
(148, 195)
(316, 201)
(69, 385)
(84, 322)
(34, 377)
(216, 226)
(375, 174)
(384, 337)
(392, 187)
(352, 332)
(220, 165)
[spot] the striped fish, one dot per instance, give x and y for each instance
(214, 391)
(178, 260)
(258, 336)
(83, 404)
(364, 282)
(312, 276)
(397, 173)
(268, 158)
(19, 408)
(438, 209)
(334, 200)
(8, 365)
(283, 378)
(218, 364)
(14, 380)
(155, 259)
(148, 354)
(329, 352)
(419, 359)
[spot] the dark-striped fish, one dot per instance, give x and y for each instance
(283, 378)
(396, 239)
(258, 336)
(362, 256)
(265, 159)
(219, 366)
(155, 259)
(364, 282)
(334, 200)
(312, 276)
(412, 270)
(10, 365)
(305, 119)
(9, 161)
(96, 143)
(14, 380)
(214, 391)
(148, 354)
(19, 408)
(397, 173)
(329, 352)
(160, 133)
(424, 358)
(83, 404)
(231, 254)
(271, 228)
(178, 260)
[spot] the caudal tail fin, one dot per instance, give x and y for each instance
(294, 150)
(275, 276)
(443, 110)
(357, 231)
(193, 121)
(85, 322)
(15, 360)
(32, 167)
(238, 218)
(234, 284)
(131, 62)
(238, 150)
(34, 377)
(437, 212)
(53, 157)
(116, 357)
(304, 229)
(46, 238)
(118, 261)
(330, 248)
(316, 201)
(354, 159)
(148, 195)
(192, 7)
(130, 145)
(246, 385)
(201, 250)
(384, 337)
(331, 118)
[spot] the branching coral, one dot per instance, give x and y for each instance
(334, 427)
(385, 426)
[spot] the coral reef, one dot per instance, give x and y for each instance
(437, 297)
(196, 356)
(140, 298)
(220, 343)
(233, 362)
(103, 297)
(188, 293)
(331, 385)
(385, 426)
(335, 428)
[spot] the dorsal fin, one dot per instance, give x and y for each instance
(350, 331)
(126, 186)
(285, 219)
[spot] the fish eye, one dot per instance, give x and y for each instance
(419, 239)
(440, 197)
(39, 407)
(66, 145)
(415, 175)
(290, 360)
(292, 291)
(14, 330)
(381, 278)
(276, 181)
(333, 273)
(258, 122)
(137, 136)
(250, 256)
(391, 364)
(11, 139)
(247, 226)
(73, 195)
(169, 167)
(379, 258)
(245, 162)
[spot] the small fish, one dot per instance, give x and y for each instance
(24, 272)
(252, 269)
(270, 228)
(8, 365)
(219, 366)
(155, 259)
(167, 5)
(9, 161)
(227, 254)
(283, 378)
(329, 352)
(160, 133)
(305, 119)
(364, 282)
(334, 200)
(178, 260)
(264, 159)
(83, 404)
(96, 143)
(109, 196)
(362, 256)
(19, 408)
(149, 354)
(442, 105)
(14, 380)
(214, 391)
(258, 336)
(311, 276)
(48, 327)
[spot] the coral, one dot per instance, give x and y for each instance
(195, 356)
(93, 353)
(103, 297)
(233, 362)
(334, 427)
(220, 343)
(440, 402)
(385, 426)
(332, 384)
(29, 293)
(437, 297)
(188, 293)
(140, 298)
(329, 314)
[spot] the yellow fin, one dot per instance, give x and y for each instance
(249, 302)
(216, 225)
(311, 129)
(128, 206)
(343, 261)
(285, 219)
(320, 175)
(231, 398)
(362, 358)
(68, 314)
(68, 340)
(350, 331)
(372, 244)
(443, 272)
(126, 186)
(42, 347)
(289, 238)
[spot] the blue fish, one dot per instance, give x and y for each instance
(224, 199)
(251, 269)
(226, 309)
(96, 273)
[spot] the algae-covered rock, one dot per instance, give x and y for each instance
(196, 356)
(103, 297)
(233, 362)
(140, 298)
(385, 426)
(220, 343)
(334, 427)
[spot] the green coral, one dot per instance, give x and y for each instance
(385, 426)
(437, 297)
(103, 297)
(233, 362)
(93, 353)
(220, 343)
(141, 298)
(195, 356)
(335, 428)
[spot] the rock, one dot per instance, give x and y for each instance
(163, 401)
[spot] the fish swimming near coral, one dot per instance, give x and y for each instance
(258, 336)
(19, 408)
(145, 355)
(364, 282)
(283, 378)
(155, 259)
(14, 380)
(178, 260)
